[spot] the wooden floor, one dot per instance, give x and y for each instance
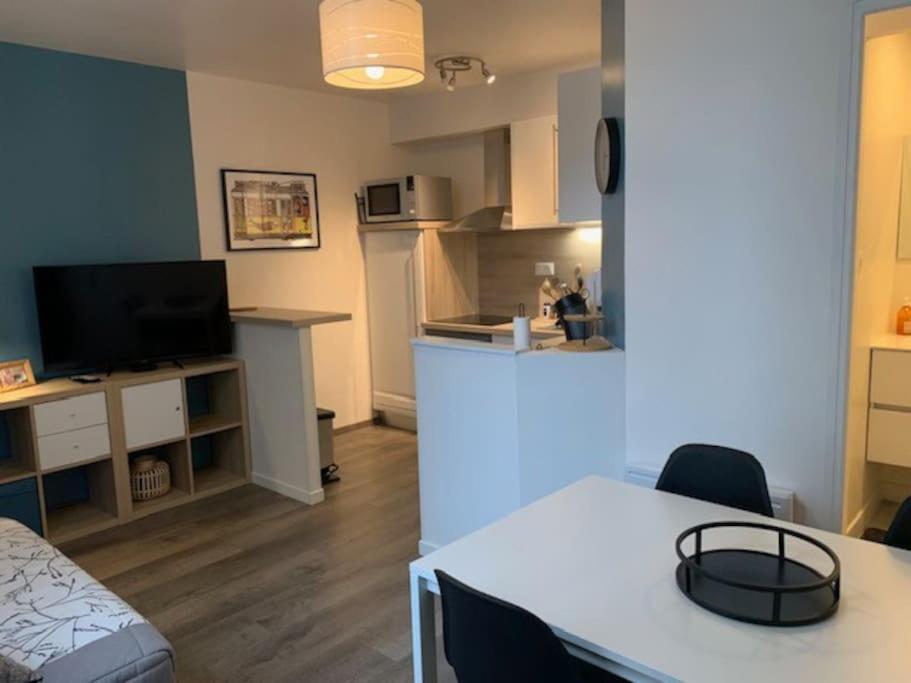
(253, 586)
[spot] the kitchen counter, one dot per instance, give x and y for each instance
(503, 427)
(541, 328)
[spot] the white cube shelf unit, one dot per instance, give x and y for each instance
(77, 441)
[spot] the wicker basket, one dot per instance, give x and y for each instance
(149, 478)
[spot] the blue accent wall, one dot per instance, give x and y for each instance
(96, 166)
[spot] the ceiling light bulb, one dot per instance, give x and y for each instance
(489, 77)
(375, 72)
(450, 86)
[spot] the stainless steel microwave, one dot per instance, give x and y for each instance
(410, 198)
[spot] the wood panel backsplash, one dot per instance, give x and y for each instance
(450, 273)
(506, 264)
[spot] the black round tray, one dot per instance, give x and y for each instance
(758, 587)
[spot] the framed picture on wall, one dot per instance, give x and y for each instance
(270, 210)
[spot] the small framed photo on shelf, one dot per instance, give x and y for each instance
(16, 374)
(270, 210)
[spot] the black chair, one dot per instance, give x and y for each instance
(487, 640)
(899, 533)
(717, 475)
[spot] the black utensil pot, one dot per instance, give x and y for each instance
(572, 304)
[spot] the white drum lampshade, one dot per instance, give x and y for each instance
(372, 44)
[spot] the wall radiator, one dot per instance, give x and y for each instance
(782, 499)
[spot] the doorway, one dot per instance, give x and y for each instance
(876, 473)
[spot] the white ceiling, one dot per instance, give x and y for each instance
(277, 41)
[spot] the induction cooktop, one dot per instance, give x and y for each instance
(487, 319)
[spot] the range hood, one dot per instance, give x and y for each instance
(497, 212)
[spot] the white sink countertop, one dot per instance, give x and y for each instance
(892, 342)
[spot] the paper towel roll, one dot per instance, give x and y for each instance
(521, 333)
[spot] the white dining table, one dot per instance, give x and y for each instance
(596, 562)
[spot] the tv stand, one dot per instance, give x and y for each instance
(73, 444)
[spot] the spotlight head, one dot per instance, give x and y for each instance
(451, 84)
(489, 77)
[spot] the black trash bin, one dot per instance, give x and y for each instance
(328, 468)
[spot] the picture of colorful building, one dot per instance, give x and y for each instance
(271, 210)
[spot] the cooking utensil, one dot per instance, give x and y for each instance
(577, 276)
(549, 289)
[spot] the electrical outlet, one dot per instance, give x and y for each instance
(545, 268)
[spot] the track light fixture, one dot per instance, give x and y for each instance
(450, 66)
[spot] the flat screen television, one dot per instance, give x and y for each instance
(131, 314)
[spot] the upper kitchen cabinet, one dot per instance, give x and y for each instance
(579, 108)
(534, 149)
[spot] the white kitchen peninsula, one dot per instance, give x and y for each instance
(498, 429)
(277, 348)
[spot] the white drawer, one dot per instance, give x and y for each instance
(889, 437)
(153, 413)
(890, 378)
(71, 413)
(71, 448)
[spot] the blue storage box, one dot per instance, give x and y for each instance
(19, 501)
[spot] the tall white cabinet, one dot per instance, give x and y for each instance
(395, 299)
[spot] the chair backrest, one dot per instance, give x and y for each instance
(899, 533)
(717, 475)
(491, 641)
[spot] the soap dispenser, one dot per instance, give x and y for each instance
(903, 319)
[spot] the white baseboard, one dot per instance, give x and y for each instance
(425, 548)
(308, 497)
(783, 500)
(862, 519)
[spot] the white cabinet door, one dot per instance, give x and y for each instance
(394, 267)
(579, 110)
(534, 149)
(153, 413)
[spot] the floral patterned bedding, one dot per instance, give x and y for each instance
(50, 607)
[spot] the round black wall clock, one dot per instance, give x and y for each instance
(607, 155)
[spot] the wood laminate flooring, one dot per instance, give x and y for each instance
(253, 586)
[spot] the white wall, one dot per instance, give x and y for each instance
(736, 145)
(240, 124)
